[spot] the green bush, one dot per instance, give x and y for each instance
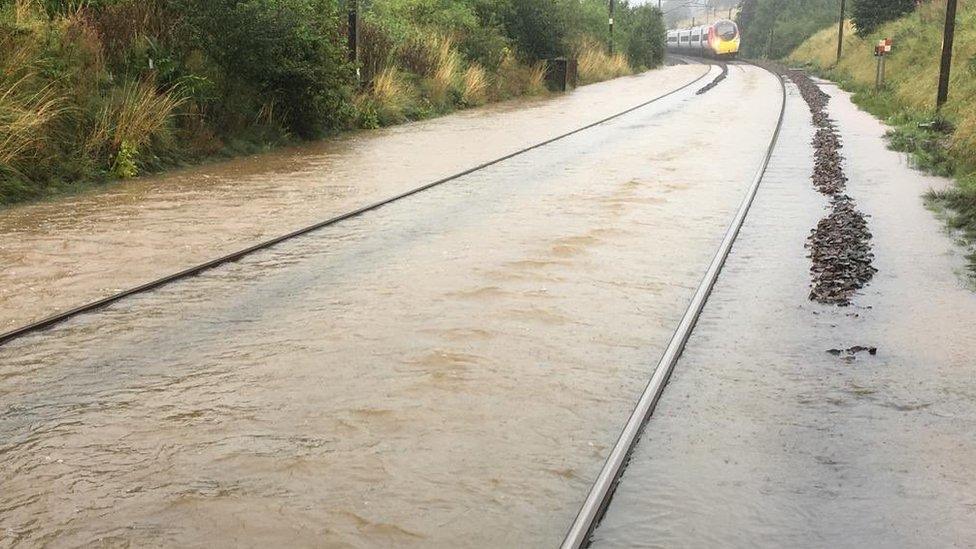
(868, 15)
(287, 51)
(774, 28)
(645, 46)
(539, 28)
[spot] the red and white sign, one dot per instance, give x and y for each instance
(883, 47)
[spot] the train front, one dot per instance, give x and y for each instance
(724, 39)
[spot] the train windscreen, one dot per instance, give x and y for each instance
(726, 30)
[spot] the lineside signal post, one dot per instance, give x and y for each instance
(880, 52)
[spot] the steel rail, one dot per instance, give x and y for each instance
(58, 318)
(597, 501)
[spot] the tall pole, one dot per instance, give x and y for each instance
(611, 26)
(840, 29)
(354, 35)
(950, 31)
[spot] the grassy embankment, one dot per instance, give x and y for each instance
(943, 142)
(96, 90)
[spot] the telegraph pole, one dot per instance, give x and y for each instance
(840, 30)
(354, 29)
(612, 2)
(950, 31)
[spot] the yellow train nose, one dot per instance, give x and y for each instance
(723, 47)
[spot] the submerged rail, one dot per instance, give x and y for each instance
(598, 500)
(197, 269)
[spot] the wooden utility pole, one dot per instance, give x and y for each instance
(950, 31)
(612, 2)
(353, 37)
(840, 29)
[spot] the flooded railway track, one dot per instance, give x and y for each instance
(357, 384)
(234, 256)
(602, 492)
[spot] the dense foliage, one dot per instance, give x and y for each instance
(773, 28)
(99, 89)
(645, 22)
(868, 15)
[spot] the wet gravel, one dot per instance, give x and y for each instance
(840, 246)
(716, 81)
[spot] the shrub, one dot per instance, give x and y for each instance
(539, 28)
(868, 15)
(773, 28)
(288, 51)
(645, 40)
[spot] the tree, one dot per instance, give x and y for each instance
(868, 15)
(645, 41)
(288, 51)
(773, 28)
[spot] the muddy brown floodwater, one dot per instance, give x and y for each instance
(60, 254)
(447, 371)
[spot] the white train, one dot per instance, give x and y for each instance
(720, 40)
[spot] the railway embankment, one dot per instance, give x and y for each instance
(92, 92)
(938, 142)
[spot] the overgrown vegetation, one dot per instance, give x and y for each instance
(92, 90)
(942, 143)
(773, 28)
(868, 15)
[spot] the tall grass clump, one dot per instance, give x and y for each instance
(134, 116)
(443, 78)
(596, 64)
(474, 88)
(26, 117)
(387, 100)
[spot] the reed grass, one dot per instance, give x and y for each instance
(133, 116)
(597, 65)
(25, 118)
(390, 97)
(474, 87)
(443, 78)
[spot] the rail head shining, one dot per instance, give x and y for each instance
(600, 495)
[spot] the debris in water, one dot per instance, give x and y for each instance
(840, 245)
(851, 352)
